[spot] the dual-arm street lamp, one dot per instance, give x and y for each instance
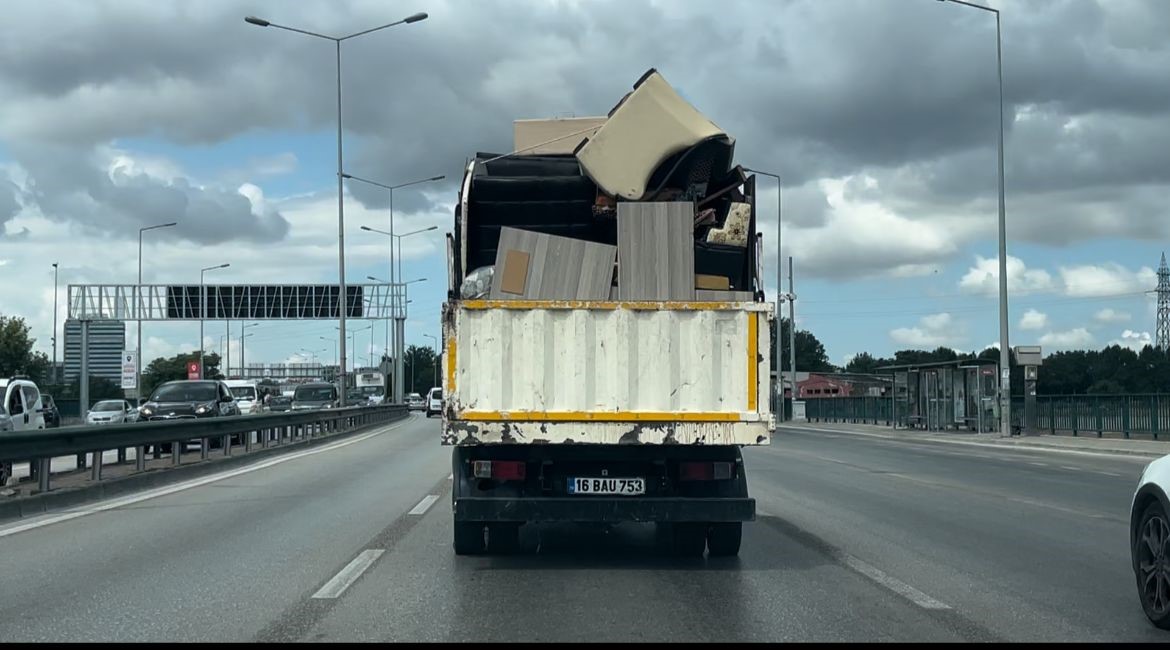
(337, 40)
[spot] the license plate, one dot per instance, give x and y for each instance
(581, 485)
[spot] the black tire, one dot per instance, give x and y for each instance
(723, 538)
(469, 538)
(1152, 564)
(690, 539)
(503, 539)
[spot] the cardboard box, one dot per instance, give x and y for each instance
(712, 282)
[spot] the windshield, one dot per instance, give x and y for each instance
(243, 392)
(372, 390)
(103, 407)
(280, 400)
(185, 392)
(438, 393)
(313, 394)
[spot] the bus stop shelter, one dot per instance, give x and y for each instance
(946, 395)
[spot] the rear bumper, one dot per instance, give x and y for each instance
(595, 509)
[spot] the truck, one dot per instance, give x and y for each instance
(603, 405)
(371, 383)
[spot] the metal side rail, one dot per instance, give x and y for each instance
(41, 446)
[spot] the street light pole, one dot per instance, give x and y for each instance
(243, 371)
(342, 298)
(54, 323)
(139, 308)
(203, 310)
(1005, 393)
(778, 353)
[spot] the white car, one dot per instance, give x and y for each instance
(247, 395)
(1149, 541)
(22, 402)
(435, 402)
(112, 411)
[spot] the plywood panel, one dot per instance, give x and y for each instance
(656, 251)
(559, 268)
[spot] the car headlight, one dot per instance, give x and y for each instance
(147, 412)
(202, 409)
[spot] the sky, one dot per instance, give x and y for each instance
(881, 117)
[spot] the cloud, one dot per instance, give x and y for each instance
(1110, 315)
(1074, 339)
(1106, 280)
(1133, 340)
(1033, 320)
(983, 278)
(932, 331)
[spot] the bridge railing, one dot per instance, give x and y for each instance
(230, 434)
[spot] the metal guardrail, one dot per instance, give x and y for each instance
(41, 446)
(859, 410)
(1076, 415)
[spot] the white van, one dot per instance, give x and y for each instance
(22, 402)
(247, 395)
(435, 402)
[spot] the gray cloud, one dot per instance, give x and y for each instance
(901, 91)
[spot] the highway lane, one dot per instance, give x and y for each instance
(860, 539)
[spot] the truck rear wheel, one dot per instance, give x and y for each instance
(468, 538)
(723, 538)
(690, 539)
(503, 538)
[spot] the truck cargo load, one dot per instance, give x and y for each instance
(606, 339)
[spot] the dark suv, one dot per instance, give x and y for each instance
(189, 399)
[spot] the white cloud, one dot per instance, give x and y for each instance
(1034, 320)
(1074, 339)
(932, 331)
(1133, 340)
(1110, 315)
(984, 277)
(1105, 280)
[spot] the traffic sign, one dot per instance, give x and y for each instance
(129, 369)
(192, 370)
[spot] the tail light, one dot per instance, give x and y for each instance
(502, 470)
(690, 471)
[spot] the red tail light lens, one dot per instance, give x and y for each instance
(501, 470)
(691, 471)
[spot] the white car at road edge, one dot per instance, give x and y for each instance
(1149, 541)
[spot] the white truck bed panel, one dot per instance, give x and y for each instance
(595, 372)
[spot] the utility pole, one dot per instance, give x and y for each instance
(792, 332)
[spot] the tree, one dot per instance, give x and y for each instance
(162, 370)
(419, 366)
(16, 351)
(810, 352)
(866, 363)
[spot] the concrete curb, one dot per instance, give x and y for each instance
(16, 508)
(994, 443)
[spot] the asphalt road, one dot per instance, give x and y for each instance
(859, 539)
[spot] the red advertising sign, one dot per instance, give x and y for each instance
(192, 370)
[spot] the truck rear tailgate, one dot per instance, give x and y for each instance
(523, 372)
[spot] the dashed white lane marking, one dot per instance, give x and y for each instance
(893, 584)
(1075, 469)
(1107, 473)
(179, 487)
(424, 505)
(349, 575)
(450, 477)
(1038, 464)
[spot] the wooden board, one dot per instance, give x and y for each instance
(656, 251)
(558, 268)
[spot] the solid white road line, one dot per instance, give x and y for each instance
(424, 505)
(450, 477)
(179, 487)
(349, 575)
(891, 583)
